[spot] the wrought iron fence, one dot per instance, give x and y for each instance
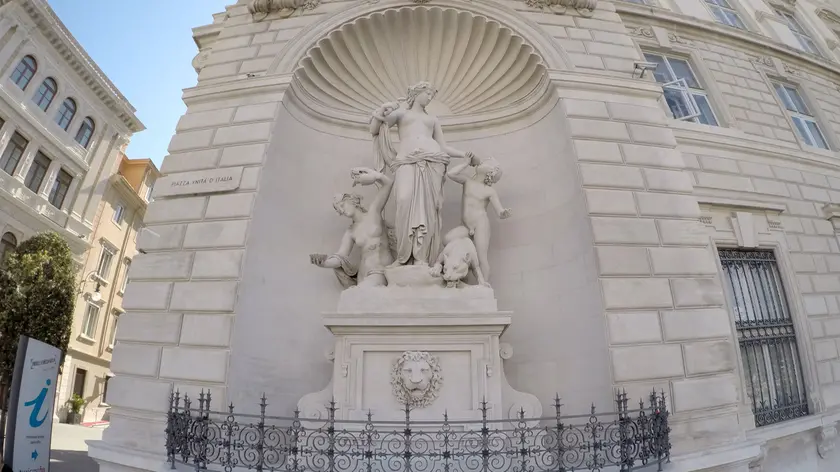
(626, 439)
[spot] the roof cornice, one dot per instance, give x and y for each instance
(48, 23)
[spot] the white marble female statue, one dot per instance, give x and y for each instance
(367, 231)
(419, 168)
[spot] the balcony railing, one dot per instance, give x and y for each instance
(626, 439)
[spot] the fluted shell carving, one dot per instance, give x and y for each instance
(476, 64)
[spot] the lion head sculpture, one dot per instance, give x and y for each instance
(416, 379)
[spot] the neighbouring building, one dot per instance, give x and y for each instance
(86, 368)
(62, 125)
(673, 173)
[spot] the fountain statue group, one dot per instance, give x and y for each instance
(414, 252)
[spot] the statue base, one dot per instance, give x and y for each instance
(458, 328)
(412, 276)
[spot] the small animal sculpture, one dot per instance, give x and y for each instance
(458, 257)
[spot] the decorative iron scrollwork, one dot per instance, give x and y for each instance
(217, 440)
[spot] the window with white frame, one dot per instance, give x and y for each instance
(803, 120)
(90, 319)
(103, 269)
(725, 13)
(766, 335)
(113, 335)
(119, 213)
(805, 42)
(125, 276)
(149, 190)
(683, 93)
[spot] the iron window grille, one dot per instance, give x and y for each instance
(683, 93)
(624, 440)
(803, 120)
(766, 335)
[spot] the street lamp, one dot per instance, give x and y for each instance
(95, 296)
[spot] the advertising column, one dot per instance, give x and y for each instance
(32, 397)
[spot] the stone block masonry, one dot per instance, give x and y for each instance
(663, 303)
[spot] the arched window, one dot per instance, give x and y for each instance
(45, 94)
(24, 71)
(7, 244)
(85, 132)
(65, 113)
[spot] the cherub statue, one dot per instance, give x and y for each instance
(478, 193)
(368, 231)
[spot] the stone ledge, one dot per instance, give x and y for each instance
(418, 323)
(428, 300)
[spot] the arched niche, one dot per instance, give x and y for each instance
(485, 71)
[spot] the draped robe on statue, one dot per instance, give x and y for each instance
(418, 192)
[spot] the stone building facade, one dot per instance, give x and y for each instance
(672, 170)
(63, 125)
(103, 279)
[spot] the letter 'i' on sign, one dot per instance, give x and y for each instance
(32, 396)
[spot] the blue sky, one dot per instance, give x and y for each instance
(146, 49)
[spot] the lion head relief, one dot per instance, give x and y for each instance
(416, 378)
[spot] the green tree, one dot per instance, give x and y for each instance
(37, 297)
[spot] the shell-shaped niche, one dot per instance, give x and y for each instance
(478, 65)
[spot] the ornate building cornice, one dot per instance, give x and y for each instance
(72, 52)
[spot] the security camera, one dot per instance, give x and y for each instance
(642, 67)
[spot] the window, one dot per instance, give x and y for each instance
(8, 243)
(85, 132)
(724, 13)
(90, 319)
(65, 113)
(45, 94)
(11, 156)
(149, 191)
(119, 213)
(113, 335)
(104, 400)
(683, 94)
(24, 71)
(125, 276)
(103, 270)
(79, 382)
(803, 120)
(805, 41)
(60, 188)
(766, 336)
(37, 171)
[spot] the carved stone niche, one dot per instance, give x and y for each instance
(559, 7)
(262, 8)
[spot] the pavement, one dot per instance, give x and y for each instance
(69, 450)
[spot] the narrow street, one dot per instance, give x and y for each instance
(69, 450)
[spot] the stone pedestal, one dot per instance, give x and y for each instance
(458, 328)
